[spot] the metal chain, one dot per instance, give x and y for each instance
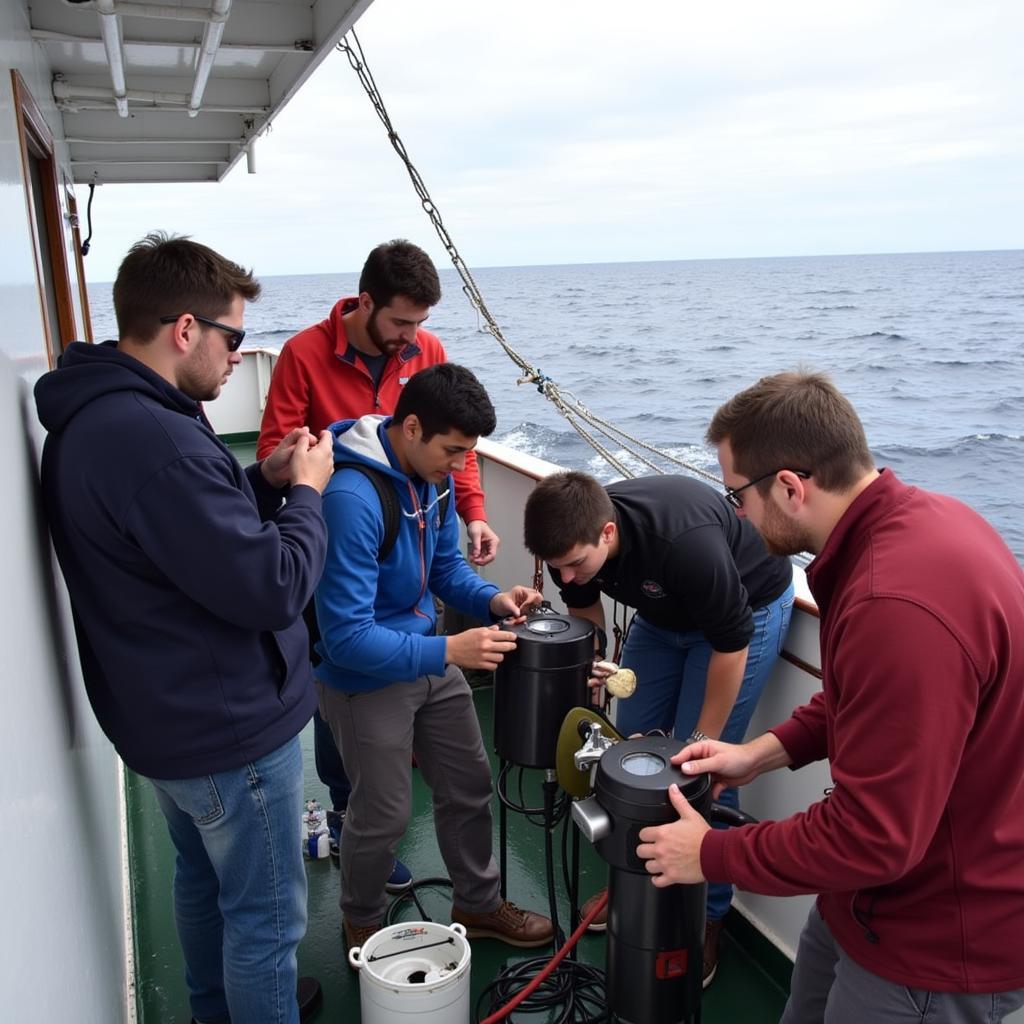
(545, 385)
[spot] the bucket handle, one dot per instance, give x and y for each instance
(355, 954)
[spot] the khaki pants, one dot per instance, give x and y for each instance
(377, 733)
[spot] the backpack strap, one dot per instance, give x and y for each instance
(388, 504)
(442, 503)
(392, 520)
(392, 517)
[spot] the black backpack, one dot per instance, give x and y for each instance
(392, 513)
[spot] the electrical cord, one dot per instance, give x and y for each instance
(534, 815)
(575, 992)
(540, 984)
(561, 987)
(583, 982)
(433, 882)
(88, 206)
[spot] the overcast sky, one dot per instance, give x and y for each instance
(558, 131)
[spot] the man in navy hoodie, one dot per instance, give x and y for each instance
(389, 686)
(187, 577)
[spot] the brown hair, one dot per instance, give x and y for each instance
(794, 420)
(563, 510)
(164, 275)
(400, 268)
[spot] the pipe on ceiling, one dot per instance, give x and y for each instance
(207, 53)
(110, 30)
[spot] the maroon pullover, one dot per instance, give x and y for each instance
(918, 851)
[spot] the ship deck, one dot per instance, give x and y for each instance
(749, 986)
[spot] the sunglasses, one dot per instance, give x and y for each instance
(235, 336)
(732, 494)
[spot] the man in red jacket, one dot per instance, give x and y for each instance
(358, 360)
(354, 363)
(917, 852)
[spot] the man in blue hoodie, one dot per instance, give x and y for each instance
(389, 686)
(187, 576)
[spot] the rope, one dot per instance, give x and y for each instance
(567, 404)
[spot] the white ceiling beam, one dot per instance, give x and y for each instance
(299, 46)
(162, 12)
(238, 140)
(113, 162)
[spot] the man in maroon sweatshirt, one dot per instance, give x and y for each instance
(917, 852)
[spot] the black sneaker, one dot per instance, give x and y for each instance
(309, 996)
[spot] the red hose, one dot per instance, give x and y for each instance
(550, 966)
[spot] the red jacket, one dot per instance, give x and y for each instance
(319, 380)
(918, 851)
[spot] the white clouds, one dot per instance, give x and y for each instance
(565, 131)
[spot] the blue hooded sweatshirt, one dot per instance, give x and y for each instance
(377, 620)
(187, 576)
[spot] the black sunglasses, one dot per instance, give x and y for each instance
(235, 336)
(732, 494)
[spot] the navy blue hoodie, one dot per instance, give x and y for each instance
(187, 576)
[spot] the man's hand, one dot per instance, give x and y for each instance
(515, 603)
(275, 466)
(672, 852)
(483, 542)
(599, 672)
(312, 464)
(484, 647)
(732, 764)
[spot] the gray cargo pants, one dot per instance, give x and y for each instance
(377, 733)
(829, 988)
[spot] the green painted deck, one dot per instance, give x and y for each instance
(749, 987)
(744, 992)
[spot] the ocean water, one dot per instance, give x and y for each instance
(929, 348)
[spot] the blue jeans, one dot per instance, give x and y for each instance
(240, 886)
(329, 765)
(672, 670)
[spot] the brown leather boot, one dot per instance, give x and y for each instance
(357, 934)
(712, 935)
(600, 923)
(508, 924)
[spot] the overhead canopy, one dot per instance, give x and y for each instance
(177, 90)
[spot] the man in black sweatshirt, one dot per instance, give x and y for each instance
(187, 577)
(712, 605)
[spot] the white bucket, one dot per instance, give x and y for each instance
(417, 968)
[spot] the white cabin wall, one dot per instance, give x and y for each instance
(65, 952)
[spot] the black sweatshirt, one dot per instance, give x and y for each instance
(685, 562)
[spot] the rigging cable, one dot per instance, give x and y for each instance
(576, 413)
